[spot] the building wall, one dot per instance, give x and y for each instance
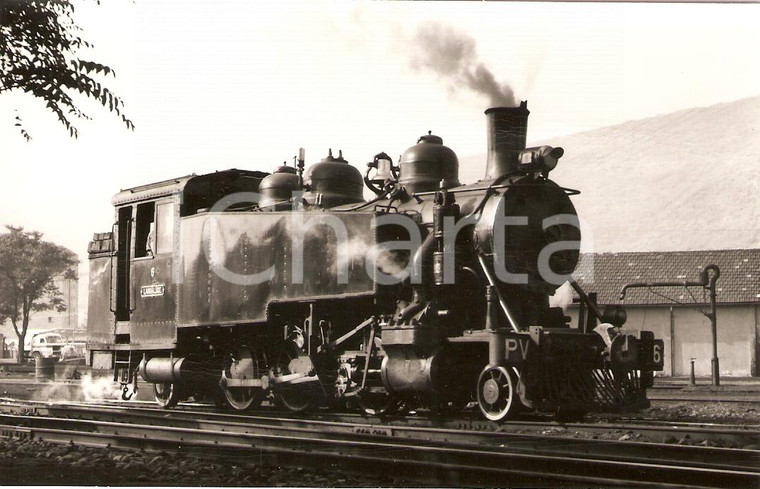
(687, 334)
(736, 340)
(52, 319)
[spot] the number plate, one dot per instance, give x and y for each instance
(658, 354)
(156, 290)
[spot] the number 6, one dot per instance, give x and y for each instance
(656, 354)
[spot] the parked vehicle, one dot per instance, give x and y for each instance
(45, 345)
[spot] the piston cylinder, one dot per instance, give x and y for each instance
(181, 370)
(408, 371)
(431, 371)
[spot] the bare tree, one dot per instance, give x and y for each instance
(28, 268)
(40, 48)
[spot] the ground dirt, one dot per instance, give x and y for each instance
(27, 462)
(714, 412)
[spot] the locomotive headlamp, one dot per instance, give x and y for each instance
(614, 315)
(540, 158)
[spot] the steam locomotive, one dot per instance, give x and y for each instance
(238, 286)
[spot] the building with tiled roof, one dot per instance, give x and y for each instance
(606, 273)
(676, 314)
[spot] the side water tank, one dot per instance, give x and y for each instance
(424, 165)
(277, 189)
(333, 182)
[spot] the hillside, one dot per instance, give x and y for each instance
(689, 180)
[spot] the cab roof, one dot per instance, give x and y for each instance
(178, 185)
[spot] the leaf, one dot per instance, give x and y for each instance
(39, 55)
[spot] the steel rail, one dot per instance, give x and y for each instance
(742, 435)
(703, 398)
(435, 473)
(463, 464)
(568, 454)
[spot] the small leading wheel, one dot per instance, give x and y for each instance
(243, 365)
(167, 395)
(497, 393)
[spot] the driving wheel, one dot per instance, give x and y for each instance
(297, 396)
(243, 365)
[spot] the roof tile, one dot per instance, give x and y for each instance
(606, 273)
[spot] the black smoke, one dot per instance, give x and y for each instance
(453, 57)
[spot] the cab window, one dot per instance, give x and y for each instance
(164, 227)
(145, 229)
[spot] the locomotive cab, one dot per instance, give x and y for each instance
(133, 282)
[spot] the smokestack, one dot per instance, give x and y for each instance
(507, 130)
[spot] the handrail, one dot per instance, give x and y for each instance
(113, 279)
(503, 303)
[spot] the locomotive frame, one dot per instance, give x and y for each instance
(239, 285)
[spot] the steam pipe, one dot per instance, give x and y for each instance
(704, 281)
(634, 285)
(419, 289)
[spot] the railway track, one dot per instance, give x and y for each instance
(703, 397)
(431, 455)
(648, 429)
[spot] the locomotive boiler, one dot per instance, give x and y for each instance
(239, 286)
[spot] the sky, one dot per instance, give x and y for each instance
(241, 84)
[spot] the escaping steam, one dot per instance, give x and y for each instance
(356, 252)
(563, 297)
(452, 56)
(88, 389)
(94, 389)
